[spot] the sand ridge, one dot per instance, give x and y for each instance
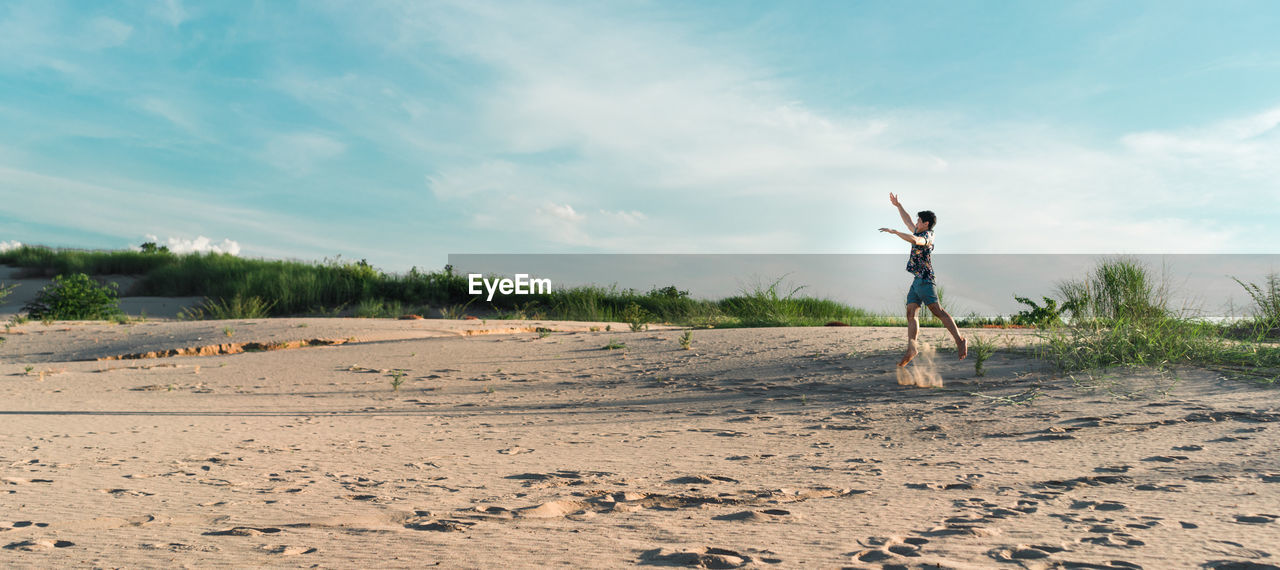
(758, 448)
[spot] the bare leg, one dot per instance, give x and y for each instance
(962, 344)
(913, 327)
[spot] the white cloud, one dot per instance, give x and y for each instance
(562, 212)
(642, 108)
(8, 245)
(199, 244)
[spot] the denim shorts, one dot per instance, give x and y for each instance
(922, 292)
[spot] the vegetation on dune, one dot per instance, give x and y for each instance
(1118, 313)
(74, 297)
(1121, 317)
(236, 287)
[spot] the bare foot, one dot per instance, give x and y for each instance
(911, 353)
(962, 347)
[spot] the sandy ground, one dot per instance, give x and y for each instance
(761, 448)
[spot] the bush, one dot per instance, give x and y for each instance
(75, 297)
(1047, 315)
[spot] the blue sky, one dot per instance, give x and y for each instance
(401, 132)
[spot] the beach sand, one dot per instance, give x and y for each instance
(759, 448)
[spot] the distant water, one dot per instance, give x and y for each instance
(985, 284)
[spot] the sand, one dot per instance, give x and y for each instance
(759, 448)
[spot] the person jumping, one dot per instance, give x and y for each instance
(922, 291)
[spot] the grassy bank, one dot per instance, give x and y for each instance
(239, 287)
(1120, 315)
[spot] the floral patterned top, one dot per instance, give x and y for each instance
(920, 263)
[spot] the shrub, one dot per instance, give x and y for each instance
(635, 316)
(75, 297)
(1047, 315)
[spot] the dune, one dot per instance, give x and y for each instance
(283, 442)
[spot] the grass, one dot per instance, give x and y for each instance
(686, 340)
(982, 349)
(226, 309)
(1266, 310)
(614, 345)
(236, 287)
(1121, 318)
(397, 378)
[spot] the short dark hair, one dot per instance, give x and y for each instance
(928, 216)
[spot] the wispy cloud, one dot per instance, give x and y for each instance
(299, 153)
(548, 126)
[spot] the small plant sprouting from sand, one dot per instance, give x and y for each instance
(983, 348)
(27, 370)
(228, 331)
(686, 340)
(488, 389)
(614, 345)
(543, 332)
(636, 317)
(455, 311)
(397, 378)
(592, 329)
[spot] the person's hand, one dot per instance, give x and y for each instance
(893, 199)
(887, 230)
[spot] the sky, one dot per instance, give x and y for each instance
(401, 132)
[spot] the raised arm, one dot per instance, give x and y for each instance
(911, 239)
(906, 218)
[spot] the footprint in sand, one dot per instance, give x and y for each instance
(442, 525)
(767, 515)
(1118, 539)
(38, 545)
(701, 480)
(708, 558)
(1255, 519)
(1024, 552)
(1099, 506)
(1110, 565)
(244, 531)
(286, 550)
(1174, 488)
